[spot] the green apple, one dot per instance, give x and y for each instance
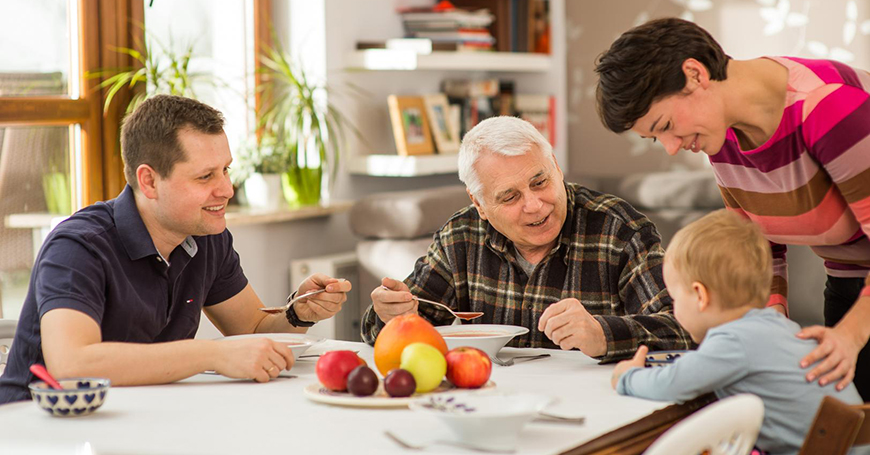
(426, 364)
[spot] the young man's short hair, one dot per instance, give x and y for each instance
(150, 133)
(728, 254)
(645, 64)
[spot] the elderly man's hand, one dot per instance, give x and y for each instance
(638, 361)
(570, 326)
(325, 305)
(393, 298)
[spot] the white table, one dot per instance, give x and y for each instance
(209, 414)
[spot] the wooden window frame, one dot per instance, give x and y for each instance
(105, 25)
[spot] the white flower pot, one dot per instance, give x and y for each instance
(264, 191)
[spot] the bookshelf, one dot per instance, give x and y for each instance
(403, 60)
(410, 72)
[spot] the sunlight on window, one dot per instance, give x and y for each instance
(215, 32)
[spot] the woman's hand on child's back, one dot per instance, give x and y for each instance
(834, 357)
(635, 362)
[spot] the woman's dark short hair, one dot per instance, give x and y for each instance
(150, 134)
(644, 65)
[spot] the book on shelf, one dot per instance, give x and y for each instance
(464, 88)
(447, 24)
(540, 111)
(517, 25)
(455, 18)
(461, 35)
(477, 100)
(423, 46)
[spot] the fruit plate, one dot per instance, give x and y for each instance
(316, 392)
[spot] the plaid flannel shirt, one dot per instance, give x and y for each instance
(608, 256)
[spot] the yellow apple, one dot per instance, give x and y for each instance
(426, 364)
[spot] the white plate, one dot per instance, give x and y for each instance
(316, 392)
(298, 342)
(493, 336)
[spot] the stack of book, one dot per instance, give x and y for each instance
(478, 100)
(450, 28)
(518, 25)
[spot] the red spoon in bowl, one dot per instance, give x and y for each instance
(43, 374)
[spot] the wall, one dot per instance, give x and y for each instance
(746, 29)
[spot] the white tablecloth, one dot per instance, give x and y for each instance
(209, 414)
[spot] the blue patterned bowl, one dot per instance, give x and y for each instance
(80, 396)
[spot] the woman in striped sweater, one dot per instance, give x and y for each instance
(789, 141)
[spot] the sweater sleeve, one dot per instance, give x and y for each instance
(718, 362)
(836, 130)
(779, 284)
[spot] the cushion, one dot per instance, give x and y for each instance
(391, 258)
(406, 214)
(675, 189)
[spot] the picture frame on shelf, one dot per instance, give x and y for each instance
(410, 125)
(445, 129)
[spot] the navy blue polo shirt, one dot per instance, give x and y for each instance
(102, 262)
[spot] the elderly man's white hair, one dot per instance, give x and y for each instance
(509, 136)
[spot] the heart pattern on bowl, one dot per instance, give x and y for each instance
(79, 397)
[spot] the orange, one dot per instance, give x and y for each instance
(400, 332)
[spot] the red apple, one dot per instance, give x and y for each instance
(334, 366)
(468, 367)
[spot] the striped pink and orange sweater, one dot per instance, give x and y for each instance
(809, 184)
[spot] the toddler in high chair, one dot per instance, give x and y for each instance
(718, 270)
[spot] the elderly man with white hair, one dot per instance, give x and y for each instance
(580, 269)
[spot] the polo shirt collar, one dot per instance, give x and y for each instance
(132, 231)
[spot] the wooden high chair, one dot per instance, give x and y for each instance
(836, 428)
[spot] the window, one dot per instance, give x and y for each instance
(59, 150)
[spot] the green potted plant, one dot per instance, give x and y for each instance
(303, 127)
(259, 166)
(161, 72)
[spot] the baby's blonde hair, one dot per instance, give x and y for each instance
(726, 253)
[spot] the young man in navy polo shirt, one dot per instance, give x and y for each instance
(118, 288)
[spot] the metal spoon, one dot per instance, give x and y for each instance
(464, 315)
(314, 356)
(290, 301)
(510, 361)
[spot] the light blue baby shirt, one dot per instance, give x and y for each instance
(759, 354)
